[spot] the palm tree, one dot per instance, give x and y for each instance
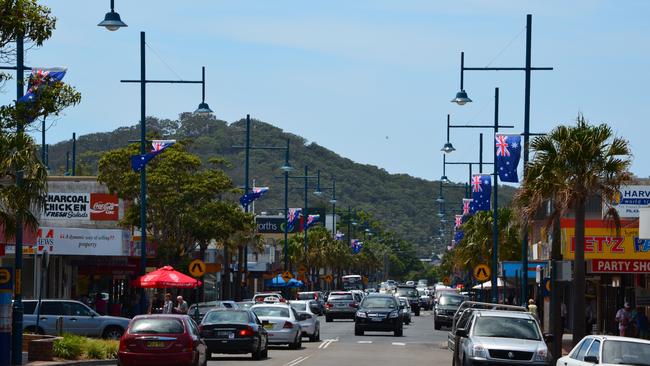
(571, 164)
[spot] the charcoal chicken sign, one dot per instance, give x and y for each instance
(81, 206)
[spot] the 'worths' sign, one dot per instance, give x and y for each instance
(81, 206)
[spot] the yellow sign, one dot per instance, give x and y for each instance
(482, 272)
(365, 280)
(446, 281)
(197, 268)
(5, 276)
(328, 278)
(286, 276)
(302, 277)
(603, 242)
(302, 269)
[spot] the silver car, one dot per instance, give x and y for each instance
(309, 322)
(610, 350)
(281, 322)
(503, 337)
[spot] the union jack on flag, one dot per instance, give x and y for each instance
(159, 145)
(459, 220)
(476, 184)
(467, 206)
(502, 146)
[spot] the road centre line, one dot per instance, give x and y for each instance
(399, 344)
(297, 361)
(364, 342)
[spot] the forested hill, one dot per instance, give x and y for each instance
(406, 205)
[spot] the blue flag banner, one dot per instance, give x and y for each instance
(138, 162)
(458, 236)
(356, 245)
(251, 196)
(339, 236)
(311, 220)
(40, 78)
(508, 152)
(481, 191)
(293, 217)
(468, 207)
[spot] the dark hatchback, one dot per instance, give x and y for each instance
(234, 332)
(379, 312)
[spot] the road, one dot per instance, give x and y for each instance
(420, 345)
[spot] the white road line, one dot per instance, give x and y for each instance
(326, 343)
(297, 361)
(364, 342)
(399, 344)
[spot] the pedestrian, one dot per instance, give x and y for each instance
(181, 305)
(168, 305)
(532, 308)
(642, 325)
(624, 318)
(100, 304)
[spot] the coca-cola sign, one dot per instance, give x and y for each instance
(104, 206)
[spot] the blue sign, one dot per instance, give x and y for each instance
(6, 278)
(513, 269)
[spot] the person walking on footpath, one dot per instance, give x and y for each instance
(642, 325)
(181, 305)
(168, 305)
(624, 319)
(532, 308)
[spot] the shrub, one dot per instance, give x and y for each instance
(95, 349)
(69, 347)
(72, 347)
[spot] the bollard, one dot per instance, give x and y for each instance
(6, 286)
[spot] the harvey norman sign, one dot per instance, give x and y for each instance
(81, 206)
(628, 200)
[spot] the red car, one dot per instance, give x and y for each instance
(162, 339)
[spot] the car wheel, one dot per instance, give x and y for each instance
(358, 332)
(113, 332)
(436, 325)
(297, 344)
(316, 336)
(257, 354)
(328, 318)
(466, 362)
(417, 312)
(399, 332)
(265, 353)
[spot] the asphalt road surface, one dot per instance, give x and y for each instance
(420, 345)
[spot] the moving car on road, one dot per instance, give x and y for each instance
(611, 350)
(406, 310)
(411, 293)
(235, 332)
(445, 309)
(204, 307)
(162, 339)
(379, 312)
(309, 323)
(281, 322)
(340, 304)
(316, 296)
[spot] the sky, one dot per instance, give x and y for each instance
(370, 80)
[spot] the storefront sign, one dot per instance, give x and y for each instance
(603, 241)
(272, 225)
(620, 266)
(72, 241)
(81, 206)
(628, 201)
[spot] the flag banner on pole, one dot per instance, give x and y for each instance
(311, 220)
(356, 245)
(458, 236)
(339, 236)
(508, 152)
(481, 191)
(138, 162)
(293, 217)
(251, 196)
(40, 78)
(468, 207)
(458, 221)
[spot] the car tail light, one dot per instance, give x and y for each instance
(246, 332)
(283, 300)
(354, 305)
(315, 296)
(200, 329)
(288, 325)
(328, 305)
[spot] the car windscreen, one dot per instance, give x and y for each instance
(379, 302)
(503, 327)
(271, 311)
(157, 326)
(217, 317)
(339, 297)
(306, 296)
(451, 300)
(299, 306)
(628, 353)
(408, 292)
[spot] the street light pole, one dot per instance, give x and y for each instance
(495, 209)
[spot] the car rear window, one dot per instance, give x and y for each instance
(271, 311)
(157, 326)
(334, 297)
(226, 317)
(299, 306)
(306, 296)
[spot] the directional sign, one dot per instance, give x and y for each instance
(328, 278)
(446, 281)
(482, 272)
(6, 281)
(365, 280)
(302, 269)
(286, 276)
(197, 268)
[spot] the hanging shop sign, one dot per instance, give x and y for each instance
(620, 266)
(604, 241)
(81, 206)
(628, 200)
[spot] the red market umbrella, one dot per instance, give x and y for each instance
(166, 277)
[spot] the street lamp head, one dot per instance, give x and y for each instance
(444, 179)
(286, 168)
(333, 201)
(461, 98)
(440, 199)
(112, 21)
(440, 214)
(203, 109)
(448, 148)
(318, 193)
(354, 223)
(443, 220)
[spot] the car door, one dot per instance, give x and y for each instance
(576, 358)
(50, 312)
(79, 319)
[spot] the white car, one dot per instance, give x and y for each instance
(281, 322)
(611, 350)
(309, 322)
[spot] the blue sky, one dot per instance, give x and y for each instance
(368, 79)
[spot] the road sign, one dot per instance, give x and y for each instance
(197, 268)
(328, 278)
(302, 269)
(6, 280)
(212, 267)
(286, 276)
(365, 280)
(546, 287)
(482, 272)
(446, 281)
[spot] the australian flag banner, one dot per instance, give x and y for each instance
(356, 245)
(293, 217)
(458, 236)
(251, 196)
(458, 221)
(508, 151)
(339, 236)
(40, 78)
(468, 207)
(311, 220)
(481, 191)
(138, 162)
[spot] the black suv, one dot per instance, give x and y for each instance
(379, 312)
(445, 309)
(413, 296)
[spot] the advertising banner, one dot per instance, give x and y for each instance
(628, 201)
(273, 225)
(69, 241)
(620, 266)
(81, 206)
(603, 241)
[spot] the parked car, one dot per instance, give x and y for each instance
(318, 298)
(204, 307)
(379, 312)
(411, 293)
(234, 331)
(262, 296)
(340, 304)
(612, 350)
(281, 322)
(71, 317)
(406, 310)
(444, 310)
(162, 339)
(309, 322)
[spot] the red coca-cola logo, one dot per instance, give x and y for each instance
(104, 206)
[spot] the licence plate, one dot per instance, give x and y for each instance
(341, 305)
(155, 344)
(268, 326)
(224, 333)
(376, 319)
